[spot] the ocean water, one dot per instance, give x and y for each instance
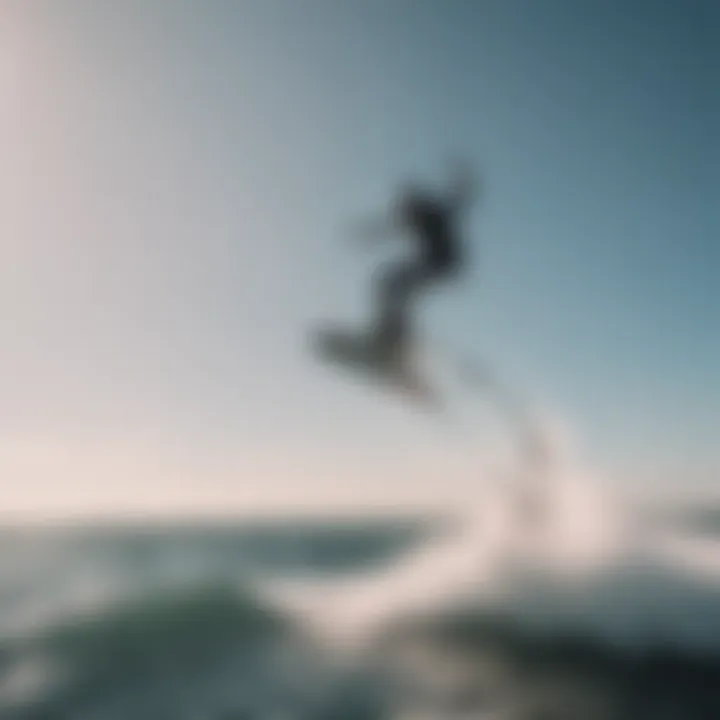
(497, 615)
(166, 621)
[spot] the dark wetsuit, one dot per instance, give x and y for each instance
(432, 225)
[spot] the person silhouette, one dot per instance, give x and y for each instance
(432, 221)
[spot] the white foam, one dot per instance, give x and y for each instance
(549, 548)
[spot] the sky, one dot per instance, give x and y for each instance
(178, 186)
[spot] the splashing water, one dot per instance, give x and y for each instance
(547, 547)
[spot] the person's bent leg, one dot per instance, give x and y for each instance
(394, 292)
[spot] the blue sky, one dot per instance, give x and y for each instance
(177, 187)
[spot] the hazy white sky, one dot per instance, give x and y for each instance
(174, 185)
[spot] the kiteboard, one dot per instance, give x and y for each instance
(357, 352)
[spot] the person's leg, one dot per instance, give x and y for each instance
(394, 292)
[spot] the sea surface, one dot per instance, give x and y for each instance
(492, 615)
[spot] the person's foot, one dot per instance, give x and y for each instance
(390, 349)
